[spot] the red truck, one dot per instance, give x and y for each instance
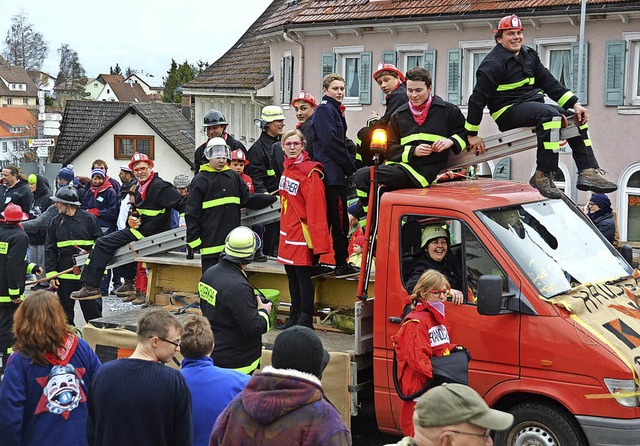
(567, 379)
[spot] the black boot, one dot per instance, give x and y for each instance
(306, 320)
(290, 322)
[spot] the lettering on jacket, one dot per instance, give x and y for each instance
(289, 185)
(438, 335)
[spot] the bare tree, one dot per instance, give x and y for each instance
(23, 45)
(71, 73)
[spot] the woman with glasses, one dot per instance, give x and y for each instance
(303, 225)
(43, 396)
(424, 333)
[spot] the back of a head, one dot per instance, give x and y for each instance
(156, 322)
(299, 348)
(451, 404)
(197, 337)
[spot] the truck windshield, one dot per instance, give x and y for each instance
(554, 246)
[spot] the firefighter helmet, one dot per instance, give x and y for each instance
(272, 113)
(67, 195)
(432, 232)
(388, 67)
(239, 155)
(13, 212)
(306, 97)
(216, 148)
(140, 157)
(214, 117)
(241, 243)
(510, 22)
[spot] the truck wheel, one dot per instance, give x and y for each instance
(538, 424)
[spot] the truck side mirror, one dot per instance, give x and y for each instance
(627, 253)
(489, 294)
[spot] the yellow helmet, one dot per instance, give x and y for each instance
(272, 113)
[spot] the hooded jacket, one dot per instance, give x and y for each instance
(105, 199)
(279, 407)
(19, 194)
(41, 202)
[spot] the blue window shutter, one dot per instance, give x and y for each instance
(453, 76)
(328, 62)
(282, 80)
(365, 77)
(388, 57)
(430, 65)
(583, 91)
(614, 73)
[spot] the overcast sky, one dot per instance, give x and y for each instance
(141, 34)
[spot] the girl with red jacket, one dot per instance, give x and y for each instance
(303, 225)
(424, 333)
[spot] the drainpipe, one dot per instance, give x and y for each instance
(296, 40)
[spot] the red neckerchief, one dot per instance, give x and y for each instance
(342, 109)
(303, 156)
(420, 113)
(64, 352)
(104, 186)
(142, 188)
(299, 124)
(397, 86)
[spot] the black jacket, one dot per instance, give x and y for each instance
(416, 265)
(228, 301)
(200, 159)
(19, 194)
(444, 120)
(155, 209)
(68, 236)
(14, 243)
(397, 98)
(41, 202)
(266, 161)
(504, 79)
(213, 208)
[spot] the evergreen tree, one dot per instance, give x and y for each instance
(177, 76)
(115, 70)
(23, 45)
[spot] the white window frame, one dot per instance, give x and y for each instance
(547, 44)
(286, 105)
(566, 185)
(405, 50)
(632, 67)
(342, 54)
(469, 48)
(623, 199)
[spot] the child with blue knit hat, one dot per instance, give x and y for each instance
(600, 213)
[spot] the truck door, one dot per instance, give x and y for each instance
(492, 341)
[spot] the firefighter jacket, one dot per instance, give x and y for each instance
(14, 243)
(504, 79)
(154, 209)
(424, 333)
(19, 194)
(265, 161)
(41, 202)
(394, 100)
(329, 138)
(404, 134)
(105, 199)
(302, 203)
(68, 236)
(200, 159)
(229, 302)
(213, 208)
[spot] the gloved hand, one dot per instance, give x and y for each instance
(94, 211)
(134, 222)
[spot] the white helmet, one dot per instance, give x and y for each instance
(217, 148)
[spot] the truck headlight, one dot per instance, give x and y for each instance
(627, 389)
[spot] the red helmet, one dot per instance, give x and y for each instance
(304, 96)
(510, 22)
(239, 155)
(137, 157)
(388, 67)
(13, 212)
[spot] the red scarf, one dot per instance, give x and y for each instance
(342, 109)
(142, 188)
(420, 112)
(299, 124)
(65, 351)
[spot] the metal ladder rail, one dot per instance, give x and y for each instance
(505, 144)
(177, 238)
